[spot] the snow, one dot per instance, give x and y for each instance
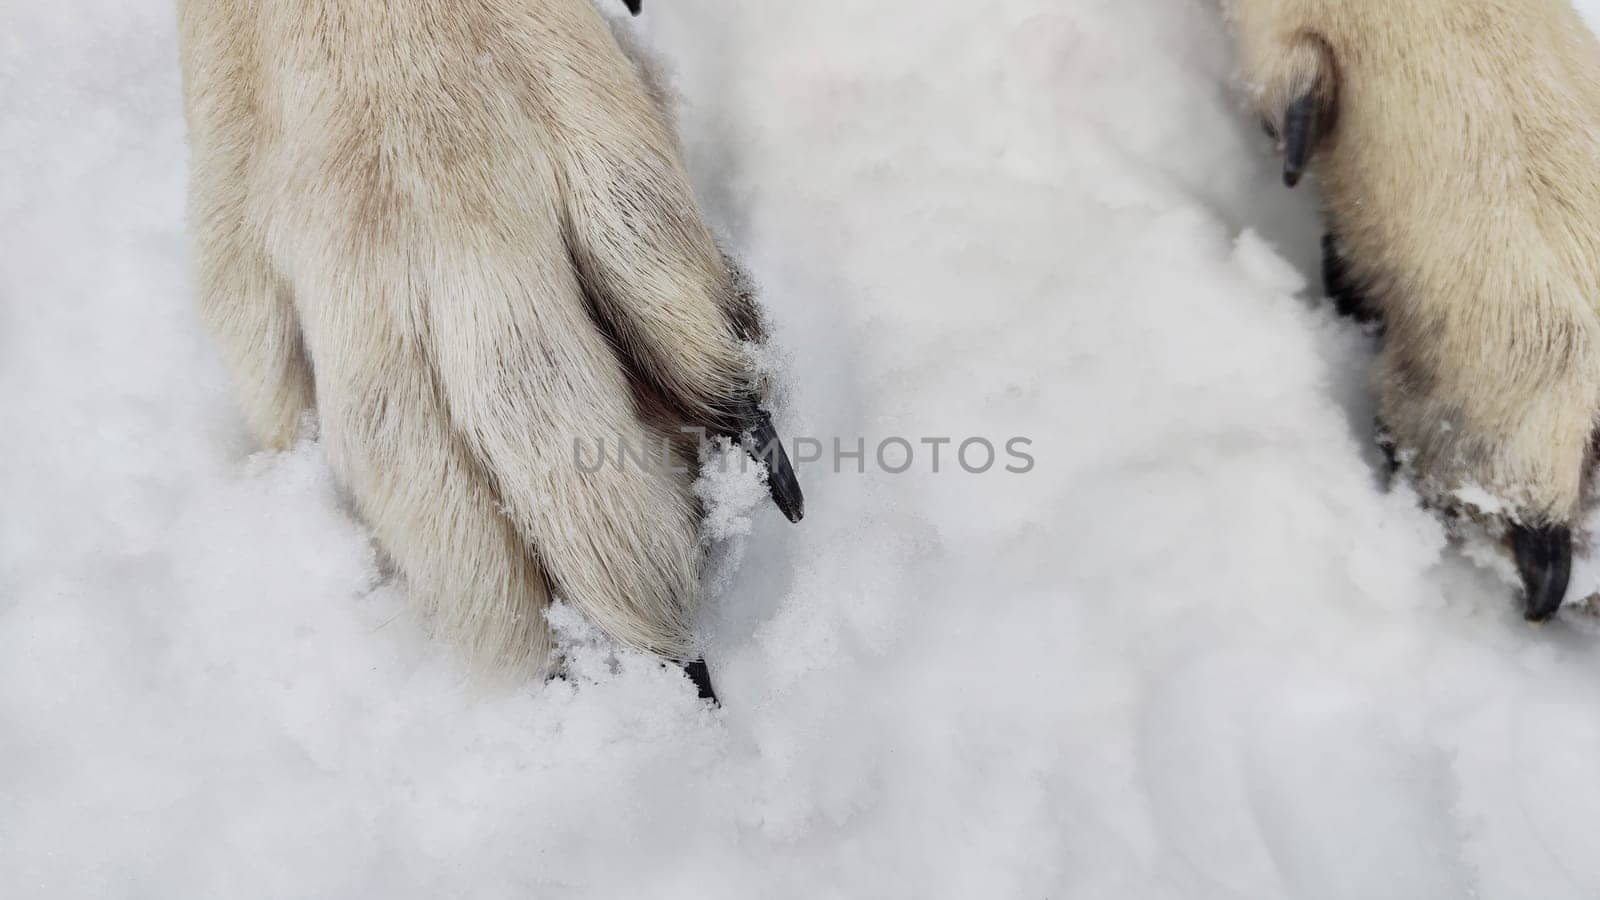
(1196, 651)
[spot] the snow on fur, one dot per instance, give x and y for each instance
(1475, 236)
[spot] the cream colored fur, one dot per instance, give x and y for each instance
(1462, 175)
(460, 229)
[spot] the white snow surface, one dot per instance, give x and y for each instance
(1197, 652)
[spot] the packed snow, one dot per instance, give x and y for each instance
(1196, 650)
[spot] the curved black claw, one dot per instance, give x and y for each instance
(1544, 558)
(1340, 285)
(764, 445)
(633, 5)
(1302, 129)
(700, 674)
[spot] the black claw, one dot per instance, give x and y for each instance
(1384, 438)
(700, 674)
(764, 445)
(633, 5)
(1301, 131)
(1544, 558)
(1339, 284)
